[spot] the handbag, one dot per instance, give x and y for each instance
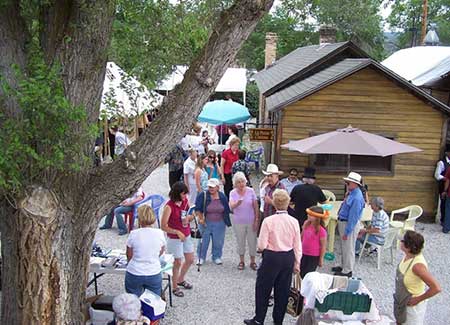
(195, 232)
(295, 300)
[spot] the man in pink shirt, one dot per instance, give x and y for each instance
(280, 243)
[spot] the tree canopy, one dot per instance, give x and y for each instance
(406, 16)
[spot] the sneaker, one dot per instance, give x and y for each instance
(336, 269)
(349, 274)
(200, 261)
(373, 251)
(123, 232)
(218, 261)
(104, 227)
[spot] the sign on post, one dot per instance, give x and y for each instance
(261, 134)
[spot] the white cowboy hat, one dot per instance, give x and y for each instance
(354, 178)
(272, 169)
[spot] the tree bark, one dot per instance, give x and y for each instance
(47, 235)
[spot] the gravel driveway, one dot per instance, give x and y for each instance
(223, 295)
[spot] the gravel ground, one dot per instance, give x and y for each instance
(224, 295)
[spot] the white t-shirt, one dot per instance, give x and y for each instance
(121, 143)
(146, 244)
(189, 169)
(227, 143)
(139, 193)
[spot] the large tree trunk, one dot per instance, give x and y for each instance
(47, 232)
(45, 249)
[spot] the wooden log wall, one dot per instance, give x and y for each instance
(370, 101)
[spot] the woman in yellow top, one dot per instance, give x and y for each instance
(412, 276)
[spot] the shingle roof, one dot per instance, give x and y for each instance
(293, 63)
(306, 86)
(335, 73)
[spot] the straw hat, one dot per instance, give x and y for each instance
(315, 214)
(272, 169)
(353, 177)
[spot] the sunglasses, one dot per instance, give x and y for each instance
(295, 175)
(211, 157)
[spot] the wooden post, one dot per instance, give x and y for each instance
(423, 32)
(106, 137)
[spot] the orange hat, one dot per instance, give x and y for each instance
(314, 214)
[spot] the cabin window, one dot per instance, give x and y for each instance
(362, 164)
(339, 163)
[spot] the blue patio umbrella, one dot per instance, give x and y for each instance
(223, 112)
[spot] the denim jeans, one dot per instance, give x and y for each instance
(118, 211)
(372, 239)
(216, 230)
(136, 284)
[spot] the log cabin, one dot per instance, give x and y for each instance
(321, 88)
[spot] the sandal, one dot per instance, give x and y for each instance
(253, 266)
(241, 266)
(185, 285)
(177, 292)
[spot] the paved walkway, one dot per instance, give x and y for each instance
(223, 295)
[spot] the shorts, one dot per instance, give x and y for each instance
(178, 248)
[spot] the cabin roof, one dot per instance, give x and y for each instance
(299, 62)
(339, 71)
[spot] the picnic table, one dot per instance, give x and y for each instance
(98, 271)
(332, 221)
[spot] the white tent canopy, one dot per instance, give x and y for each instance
(234, 80)
(420, 65)
(124, 95)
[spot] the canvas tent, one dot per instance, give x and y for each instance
(421, 65)
(124, 96)
(234, 80)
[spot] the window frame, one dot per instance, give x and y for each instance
(340, 170)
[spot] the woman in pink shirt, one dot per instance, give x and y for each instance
(245, 208)
(279, 241)
(314, 240)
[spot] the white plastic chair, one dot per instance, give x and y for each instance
(329, 195)
(414, 212)
(389, 240)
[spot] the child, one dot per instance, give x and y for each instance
(314, 240)
(206, 140)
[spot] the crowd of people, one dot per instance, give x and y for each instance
(286, 224)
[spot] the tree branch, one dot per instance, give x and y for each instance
(13, 35)
(179, 110)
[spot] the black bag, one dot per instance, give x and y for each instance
(195, 232)
(295, 300)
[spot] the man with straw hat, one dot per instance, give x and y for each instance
(273, 179)
(348, 223)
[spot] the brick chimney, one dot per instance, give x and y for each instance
(271, 49)
(327, 34)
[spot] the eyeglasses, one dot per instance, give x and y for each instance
(293, 175)
(211, 157)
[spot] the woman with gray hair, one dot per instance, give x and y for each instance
(378, 226)
(127, 309)
(244, 204)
